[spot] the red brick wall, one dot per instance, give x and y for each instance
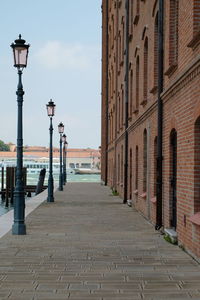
(181, 108)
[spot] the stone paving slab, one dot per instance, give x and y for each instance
(88, 245)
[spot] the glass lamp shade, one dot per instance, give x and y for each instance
(20, 53)
(50, 108)
(60, 127)
(64, 138)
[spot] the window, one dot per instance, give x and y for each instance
(155, 75)
(173, 179)
(145, 78)
(136, 167)
(130, 174)
(119, 49)
(118, 177)
(196, 24)
(119, 114)
(122, 163)
(145, 160)
(173, 36)
(197, 166)
(137, 78)
(137, 15)
(86, 165)
(155, 166)
(72, 165)
(137, 7)
(123, 37)
(131, 16)
(131, 93)
(122, 102)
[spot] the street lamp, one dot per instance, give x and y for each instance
(50, 112)
(64, 140)
(60, 130)
(20, 53)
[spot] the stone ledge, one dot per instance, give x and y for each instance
(172, 234)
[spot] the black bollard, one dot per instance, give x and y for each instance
(40, 184)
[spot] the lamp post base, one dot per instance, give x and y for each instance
(50, 199)
(18, 229)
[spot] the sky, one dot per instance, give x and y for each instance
(64, 64)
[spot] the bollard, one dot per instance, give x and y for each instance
(40, 184)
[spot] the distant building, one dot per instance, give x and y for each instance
(76, 158)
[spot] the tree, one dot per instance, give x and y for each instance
(3, 146)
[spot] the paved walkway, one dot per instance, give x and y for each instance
(87, 245)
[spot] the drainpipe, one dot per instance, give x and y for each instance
(160, 117)
(116, 106)
(126, 105)
(106, 154)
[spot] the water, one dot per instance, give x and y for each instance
(32, 179)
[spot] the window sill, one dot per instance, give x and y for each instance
(154, 199)
(135, 192)
(172, 68)
(195, 219)
(195, 41)
(143, 195)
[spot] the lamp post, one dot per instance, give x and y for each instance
(20, 53)
(60, 130)
(50, 112)
(64, 140)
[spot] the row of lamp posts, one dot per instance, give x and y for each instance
(20, 53)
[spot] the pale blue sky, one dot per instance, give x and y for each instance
(64, 64)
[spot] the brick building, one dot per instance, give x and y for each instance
(151, 111)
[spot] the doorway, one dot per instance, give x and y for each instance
(173, 179)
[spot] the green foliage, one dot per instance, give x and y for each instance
(3, 146)
(169, 239)
(114, 192)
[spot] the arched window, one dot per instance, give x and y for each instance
(137, 78)
(173, 177)
(145, 79)
(173, 32)
(196, 17)
(145, 160)
(131, 93)
(136, 167)
(155, 166)
(119, 113)
(137, 12)
(130, 174)
(123, 37)
(196, 24)
(173, 36)
(197, 166)
(156, 51)
(122, 163)
(118, 177)
(138, 7)
(122, 104)
(119, 49)
(131, 16)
